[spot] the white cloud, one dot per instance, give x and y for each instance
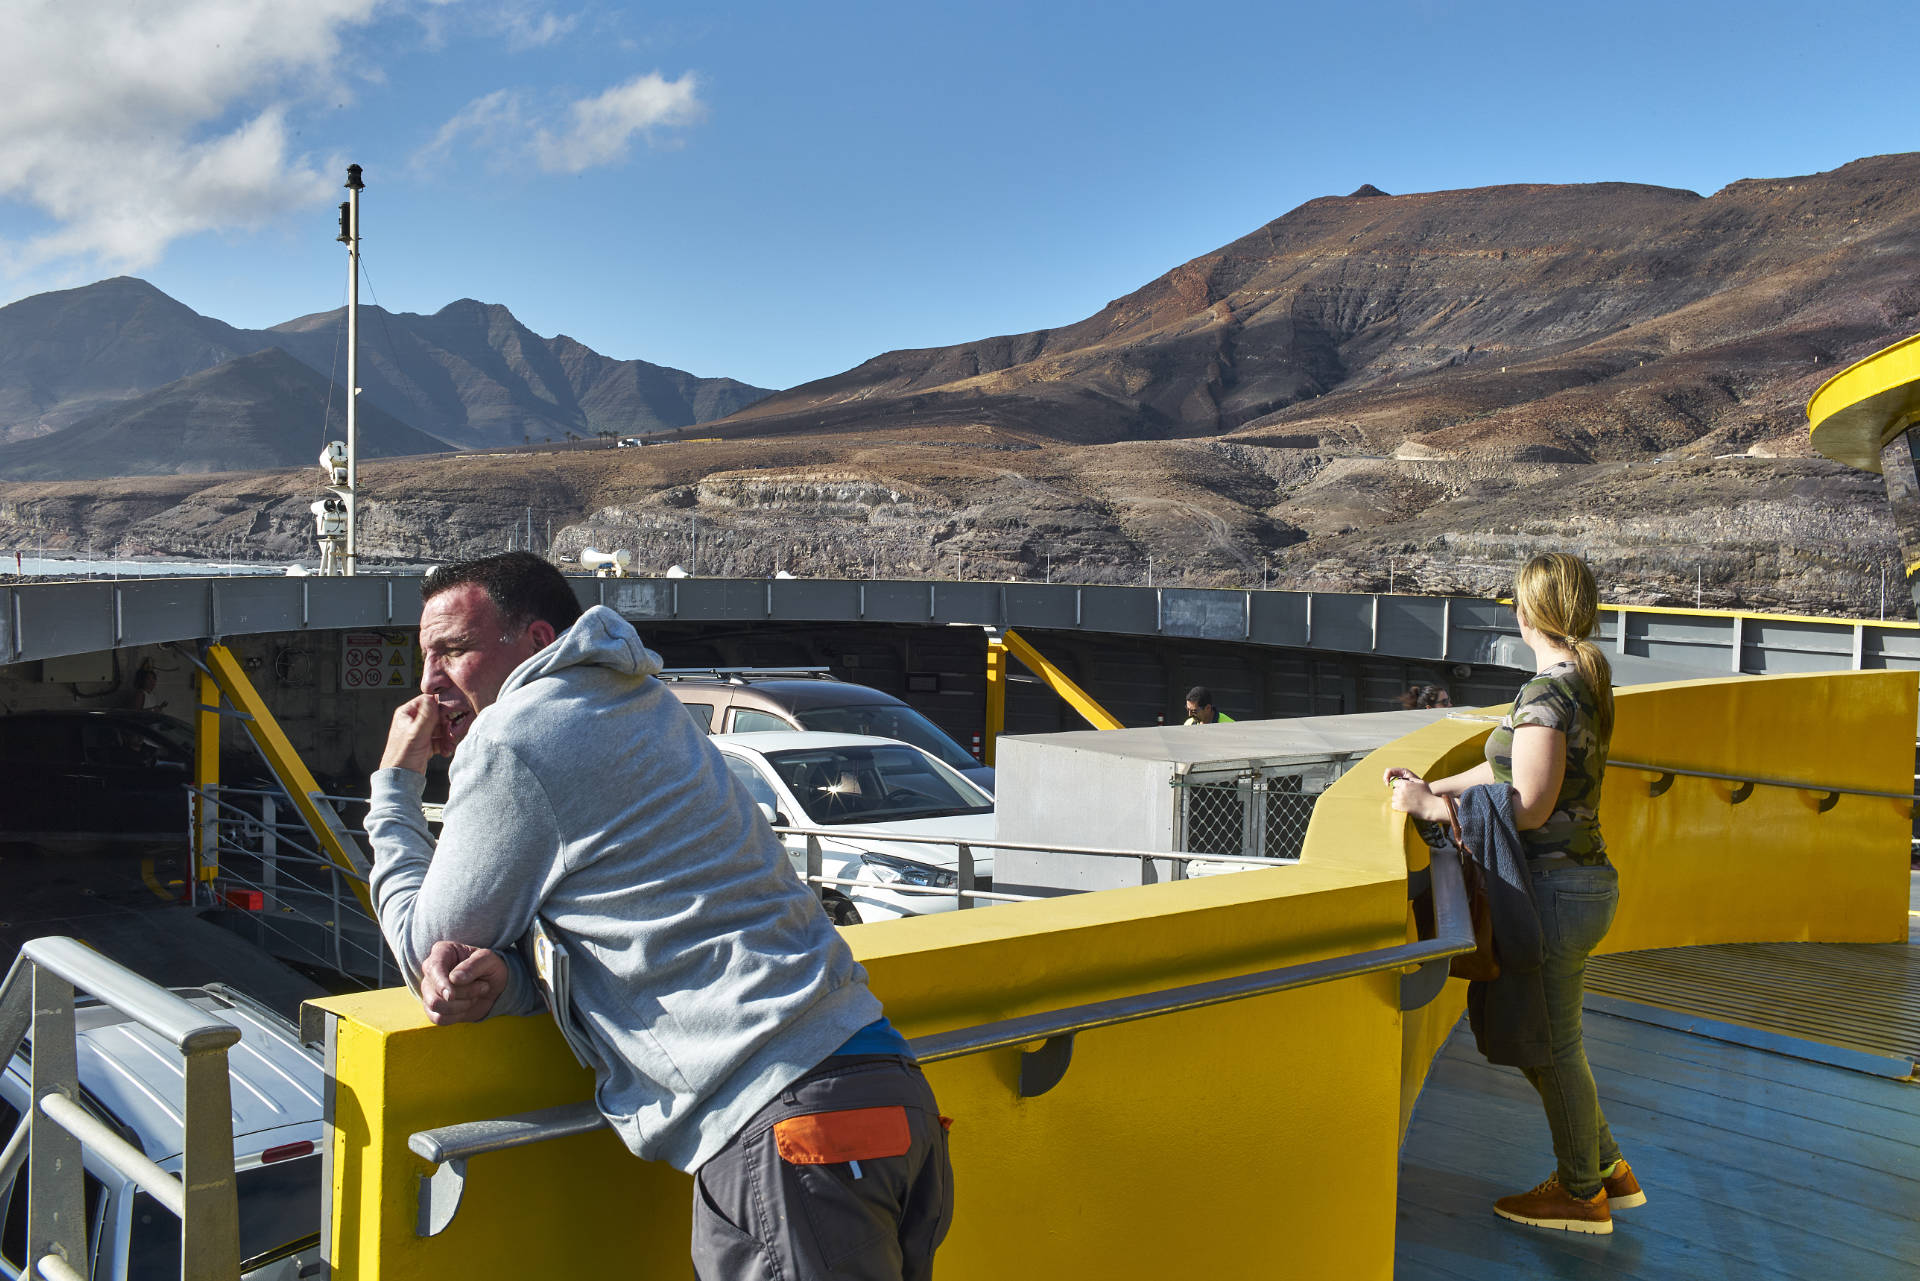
(598, 129)
(582, 135)
(493, 123)
(522, 24)
(526, 27)
(129, 126)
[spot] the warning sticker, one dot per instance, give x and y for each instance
(377, 661)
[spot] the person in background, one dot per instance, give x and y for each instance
(1551, 749)
(1200, 708)
(730, 1030)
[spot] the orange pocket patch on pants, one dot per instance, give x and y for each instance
(858, 1134)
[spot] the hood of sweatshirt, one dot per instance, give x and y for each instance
(599, 638)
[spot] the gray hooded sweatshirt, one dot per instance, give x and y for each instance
(704, 972)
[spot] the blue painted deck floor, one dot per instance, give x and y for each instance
(1756, 1166)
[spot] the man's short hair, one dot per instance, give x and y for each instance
(1200, 696)
(524, 588)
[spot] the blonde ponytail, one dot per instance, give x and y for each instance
(1591, 662)
(1557, 593)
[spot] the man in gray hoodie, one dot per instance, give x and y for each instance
(730, 1030)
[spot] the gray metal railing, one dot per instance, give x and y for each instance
(448, 1148)
(1831, 792)
(307, 909)
(965, 887)
(37, 1000)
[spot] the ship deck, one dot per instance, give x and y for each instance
(1755, 1163)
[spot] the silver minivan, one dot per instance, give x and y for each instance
(747, 700)
(134, 1080)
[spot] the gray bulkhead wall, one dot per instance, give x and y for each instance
(939, 669)
(1264, 654)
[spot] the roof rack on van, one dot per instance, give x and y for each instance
(745, 675)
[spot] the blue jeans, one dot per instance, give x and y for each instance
(1576, 906)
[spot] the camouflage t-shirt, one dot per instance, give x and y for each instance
(1558, 699)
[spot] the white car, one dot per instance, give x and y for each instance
(131, 1078)
(872, 792)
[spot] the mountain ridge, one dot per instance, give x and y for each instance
(470, 374)
(258, 412)
(1350, 295)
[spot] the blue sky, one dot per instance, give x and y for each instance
(778, 192)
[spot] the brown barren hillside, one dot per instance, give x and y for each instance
(1585, 323)
(1415, 389)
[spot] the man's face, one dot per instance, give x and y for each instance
(1193, 710)
(469, 652)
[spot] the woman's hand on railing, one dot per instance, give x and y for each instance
(1411, 795)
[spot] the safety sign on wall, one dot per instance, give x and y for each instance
(377, 660)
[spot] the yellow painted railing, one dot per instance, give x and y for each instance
(1248, 1140)
(1856, 413)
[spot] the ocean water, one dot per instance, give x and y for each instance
(85, 567)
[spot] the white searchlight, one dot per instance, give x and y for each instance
(606, 564)
(333, 461)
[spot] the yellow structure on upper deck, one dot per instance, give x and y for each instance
(1253, 1139)
(1860, 410)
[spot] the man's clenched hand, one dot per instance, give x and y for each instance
(417, 733)
(459, 982)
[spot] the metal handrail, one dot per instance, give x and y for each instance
(1453, 935)
(37, 998)
(449, 1147)
(458, 1142)
(922, 891)
(332, 905)
(842, 836)
(963, 891)
(153, 1007)
(1829, 789)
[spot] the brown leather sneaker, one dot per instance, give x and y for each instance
(1551, 1206)
(1623, 1190)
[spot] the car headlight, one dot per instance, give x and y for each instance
(904, 871)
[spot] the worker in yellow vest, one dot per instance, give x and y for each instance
(1200, 708)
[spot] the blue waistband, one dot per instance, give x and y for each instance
(877, 1037)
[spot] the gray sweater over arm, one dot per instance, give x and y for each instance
(705, 973)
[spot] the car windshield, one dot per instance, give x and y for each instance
(173, 733)
(279, 1213)
(870, 784)
(888, 720)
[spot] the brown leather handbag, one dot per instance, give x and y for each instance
(1482, 965)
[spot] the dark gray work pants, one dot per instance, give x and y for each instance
(759, 1217)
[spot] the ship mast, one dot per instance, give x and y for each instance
(352, 495)
(337, 519)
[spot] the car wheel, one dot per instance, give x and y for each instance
(840, 908)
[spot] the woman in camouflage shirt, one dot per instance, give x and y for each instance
(1551, 748)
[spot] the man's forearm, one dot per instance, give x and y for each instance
(403, 850)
